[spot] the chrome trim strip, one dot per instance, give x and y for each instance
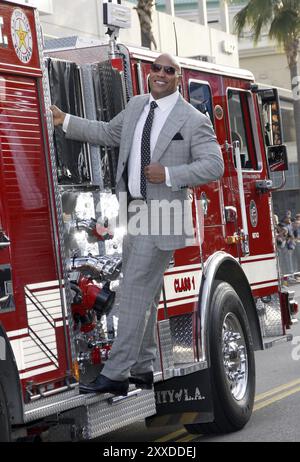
(179, 371)
(56, 209)
(140, 78)
(270, 343)
(142, 53)
(210, 268)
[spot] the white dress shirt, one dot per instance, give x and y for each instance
(165, 106)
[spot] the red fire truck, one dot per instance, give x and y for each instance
(60, 259)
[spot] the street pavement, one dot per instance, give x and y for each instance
(276, 416)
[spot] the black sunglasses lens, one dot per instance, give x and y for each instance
(169, 70)
(158, 67)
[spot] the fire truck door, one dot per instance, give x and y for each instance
(245, 141)
(6, 292)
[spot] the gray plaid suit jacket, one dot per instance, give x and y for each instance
(193, 160)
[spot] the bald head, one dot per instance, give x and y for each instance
(164, 76)
(171, 59)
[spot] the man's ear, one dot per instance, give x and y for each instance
(179, 85)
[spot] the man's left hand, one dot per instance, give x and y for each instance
(155, 173)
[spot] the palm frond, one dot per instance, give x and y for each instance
(240, 20)
(285, 25)
(255, 15)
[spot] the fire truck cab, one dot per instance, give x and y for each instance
(61, 258)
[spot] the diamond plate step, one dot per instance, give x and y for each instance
(141, 402)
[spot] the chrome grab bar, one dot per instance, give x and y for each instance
(245, 232)
(4, 240)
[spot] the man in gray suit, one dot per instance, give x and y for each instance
(165, 145)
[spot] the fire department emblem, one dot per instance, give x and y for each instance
(219, 113)
(21, 35)
(253, 214)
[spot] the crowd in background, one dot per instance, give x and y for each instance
(287, 232)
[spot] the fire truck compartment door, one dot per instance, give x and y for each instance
(7, 302)
(31, 291)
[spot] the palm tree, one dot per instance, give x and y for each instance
(282, 18)
(144, 11)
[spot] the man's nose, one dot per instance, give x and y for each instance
(161, 72)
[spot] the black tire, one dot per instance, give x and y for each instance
(5, 428)
(232, 404)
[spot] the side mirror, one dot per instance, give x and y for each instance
(271, 115)
(277, 158)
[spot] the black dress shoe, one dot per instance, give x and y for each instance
(103, 384)
(143, 380)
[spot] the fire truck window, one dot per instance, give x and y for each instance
(200, 98)
(241, 127)
(7, 302)
(288, 124)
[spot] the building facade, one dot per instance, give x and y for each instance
(84, 19)
(195, 28)
(268, 64)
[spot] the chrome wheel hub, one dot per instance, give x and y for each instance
(235, 357)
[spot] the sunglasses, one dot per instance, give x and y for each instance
(169, 70)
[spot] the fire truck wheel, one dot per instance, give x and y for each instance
(232, 370)
(5, 433)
